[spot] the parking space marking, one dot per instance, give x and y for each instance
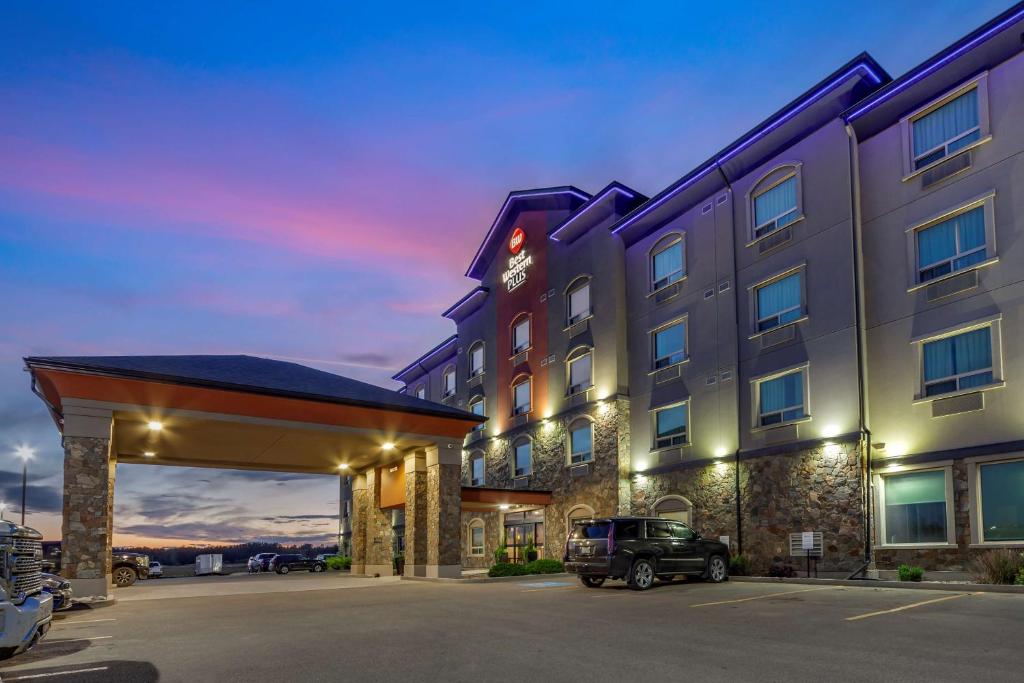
(58, 673)
(82, 621)
(910, 606)
(72, 640)
(769, 595)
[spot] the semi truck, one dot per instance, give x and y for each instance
(26, 610)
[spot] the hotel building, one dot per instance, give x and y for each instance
(814, 330)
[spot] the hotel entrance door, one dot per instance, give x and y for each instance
(523, 529)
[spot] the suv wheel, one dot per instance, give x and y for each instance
(717, 571)
(124, 576)
(641, 575)
(317, 567)
(592, 581)
(284, 569)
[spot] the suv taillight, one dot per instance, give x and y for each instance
(565, 553)
(611, 539)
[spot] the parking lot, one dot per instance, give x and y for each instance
(548, 628)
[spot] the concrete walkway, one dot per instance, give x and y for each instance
(245, 584)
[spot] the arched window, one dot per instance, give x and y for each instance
(673, 507)
(477, 468)
(522, 457)
(476, 537)
(579, 369)
(775, 200)
(476, 359)
(448, 381)
(577, 300)
(522, 395)
(478, 406)
(581, 440)
(578, 512)
(520, 333)
(668, 261)
(421, 391)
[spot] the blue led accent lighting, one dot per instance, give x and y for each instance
(425, 357)
(591, 203)
(752, 137)
(874, 101)
(458, 304)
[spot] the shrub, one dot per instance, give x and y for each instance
(997, 566)
(339, 562)
(501, 554)
(545, 567)
(1020, 578)
(507, 569)
(781, 570)
(739, 565)
(908, 573)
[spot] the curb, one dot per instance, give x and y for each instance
(877, 583)
(489, 579)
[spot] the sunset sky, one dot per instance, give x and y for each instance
(310, 182)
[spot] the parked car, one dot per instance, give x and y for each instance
(129, 568)
(264, 560)
(640, 549)
(59, 588)
(324, 558)
(156, 570)
(282, 564)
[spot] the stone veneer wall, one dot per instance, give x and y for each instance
(444, 503)
(710, 489)
(379, 531)
(88, 507)
(492, 537)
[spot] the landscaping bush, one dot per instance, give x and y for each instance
(1020, 578)
(781, 570)
(507, 569)
(338, 563)
(908, 573)
(998, 566)
(545, 567)
(739, 565)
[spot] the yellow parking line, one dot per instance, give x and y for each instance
(761, 597)
(910, 606)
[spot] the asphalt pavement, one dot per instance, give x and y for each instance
(539, 629)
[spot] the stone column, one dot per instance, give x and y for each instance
(358, 522)
(345, 515)
(379, 560)
(444, 508)
(87, 528)
(416, 514)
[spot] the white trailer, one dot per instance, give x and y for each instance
(209, 564)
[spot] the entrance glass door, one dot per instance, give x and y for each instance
(521, 530)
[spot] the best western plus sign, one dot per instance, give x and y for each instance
(520, 260)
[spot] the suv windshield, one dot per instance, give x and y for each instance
(584, 530)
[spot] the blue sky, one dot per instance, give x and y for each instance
(310, 181)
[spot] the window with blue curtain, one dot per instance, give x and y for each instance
(670, 345)
(477, 474)
(915, 507)
(667, 265)
(958, 362)
(778, 303)
(947, 129)
(775, 208)
(581, 442)
(1002, 501)
(524, 459)
(954, 244)
(670, 426)
(782, 399)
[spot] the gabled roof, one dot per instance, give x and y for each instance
(442, 351)
(613, 196)
(466, 305)
(247, 374)
(564, 197)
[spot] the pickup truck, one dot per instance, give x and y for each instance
(127, 568)
(26, 611)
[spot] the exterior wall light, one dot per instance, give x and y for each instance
(149, 454)
(721, 452)
(504, 506)
(343, 466)
(155, 425)
(387, 446)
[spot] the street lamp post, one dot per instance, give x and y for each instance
(25, 453)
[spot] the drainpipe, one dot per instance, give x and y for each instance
(861, 341)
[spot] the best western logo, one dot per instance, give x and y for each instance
(515, 275)
(516, 241)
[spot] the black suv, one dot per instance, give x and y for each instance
(282, 564)
(640, 549)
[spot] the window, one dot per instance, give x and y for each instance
(781, 399)
(681, 531)
(659, 530)
(673, 507)
(627, 530)
(669, 344)
(476, 469)
(448, 382)
(477, 407)
(945, 130)
(523, 457)
(954, 244)
(578, 301)
(580, 371)
(421, 391)
(780, 302)
(1002, 501)
(915, 507)
(667, 263)
(521, 394)
(958, 362)
(476, 538)
(476, 359)
(670, 426)
(521, 335)
(776, 207)
(581, 441)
